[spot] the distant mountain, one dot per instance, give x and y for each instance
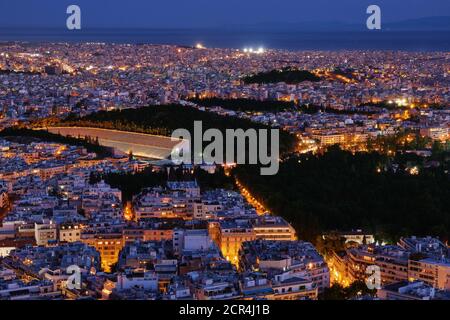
(420, 24)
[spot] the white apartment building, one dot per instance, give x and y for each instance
(137, 278)
(70, 233)
(45, 232)
(191, 240)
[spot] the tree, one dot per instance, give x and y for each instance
(338, 292)
(329, 243)
(437, 148)
(335, 292)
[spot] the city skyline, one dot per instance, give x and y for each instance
(239, 152)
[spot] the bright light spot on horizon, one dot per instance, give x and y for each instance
(200, 46)
(260, 50)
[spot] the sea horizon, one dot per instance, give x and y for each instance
(383, 40)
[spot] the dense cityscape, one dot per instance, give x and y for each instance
(138, 227)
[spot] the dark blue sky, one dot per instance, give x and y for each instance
(207, 13)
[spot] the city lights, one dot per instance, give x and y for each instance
(135, 167)
(260, 50)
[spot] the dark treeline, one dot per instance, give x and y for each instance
(206, 180)
(132, 183)
(338, 190)
(394, 106)
(313, 109)
(401, 141)
(216, 180)
(91, 145)
(338, 292)
(287, 75)
(9, 71)
(404, 144)
(245, 105)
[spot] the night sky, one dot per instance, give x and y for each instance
(209, 13)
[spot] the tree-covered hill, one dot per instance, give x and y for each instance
(339, 190)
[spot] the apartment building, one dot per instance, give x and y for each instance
(392, 261)
(294, 288)
(284, 260)
(191, 240)
(108, 244)
(69, 232)
(416, 290)
(434, 272)
(45, 232)
(229, 236)
(3, 197)
(273, 228)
